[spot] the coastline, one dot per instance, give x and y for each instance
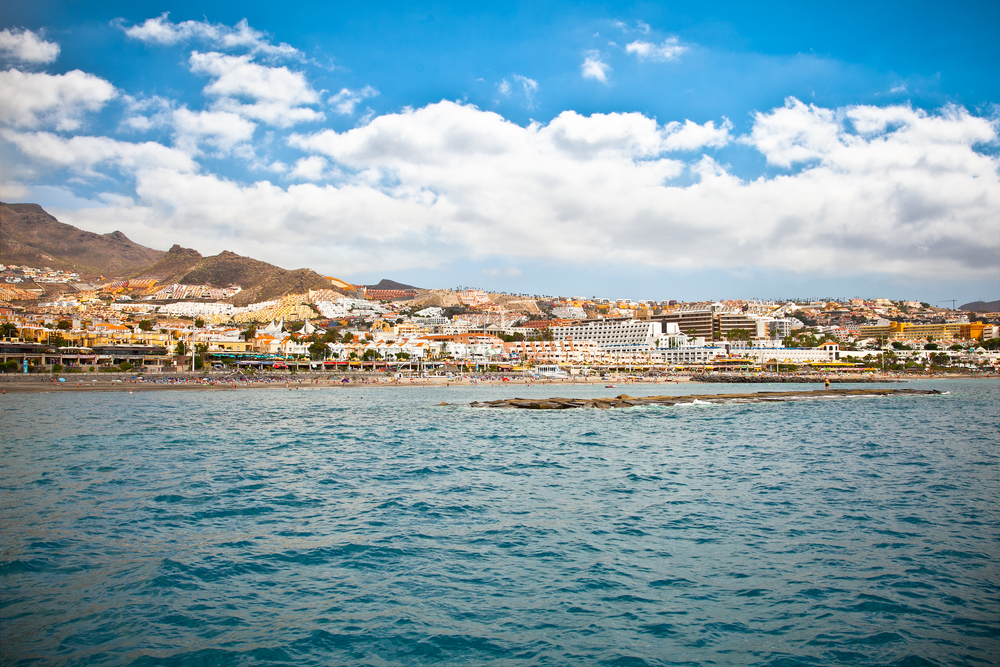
(32, 385)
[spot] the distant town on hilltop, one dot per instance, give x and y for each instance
(75, 300)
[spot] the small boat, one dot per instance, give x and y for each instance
(610, 386)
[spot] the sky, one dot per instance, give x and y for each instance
(672, 150)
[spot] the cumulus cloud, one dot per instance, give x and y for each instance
(311, 168)
(35, 99)
(345, 101)
(83, 154)
(220, 129)
(594, 68)
(161, 31)
(869, 189)
(670, 49)
(27, 47)
(599, 188)
(146, 114)
(690, 136)
(276, 94)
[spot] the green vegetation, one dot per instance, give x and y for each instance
(739, 334)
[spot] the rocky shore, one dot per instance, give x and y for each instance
(626, 401)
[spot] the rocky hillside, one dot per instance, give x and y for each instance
(32, 237)
(260, 281)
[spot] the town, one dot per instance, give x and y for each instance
(53, 323)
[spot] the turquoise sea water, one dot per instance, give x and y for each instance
(370, 526)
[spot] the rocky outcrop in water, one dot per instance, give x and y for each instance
(626, 401)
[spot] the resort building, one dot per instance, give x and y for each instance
(613, 334)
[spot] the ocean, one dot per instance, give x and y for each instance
(374, 526)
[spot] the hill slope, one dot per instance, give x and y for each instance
(982, 307)
(30, 236)
(387, 284)
(260, 281)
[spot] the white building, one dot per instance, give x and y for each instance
(613, 335)
(687, 355)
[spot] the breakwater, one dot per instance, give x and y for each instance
(626, 401)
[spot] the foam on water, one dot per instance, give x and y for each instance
(373, 526)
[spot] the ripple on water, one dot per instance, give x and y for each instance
(373, 527)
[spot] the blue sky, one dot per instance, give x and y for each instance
(669, 151)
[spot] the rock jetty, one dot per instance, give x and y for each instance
(626, 401)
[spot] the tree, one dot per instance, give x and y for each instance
(370, 355)
(931, 346)
(9, 330)
(145, 325)
(331, 335)
(402, 356)
(199, 323)
(199, 356)
(180, 349)
(348, 337)
(318, 350)
(739, 334)
(64, 325)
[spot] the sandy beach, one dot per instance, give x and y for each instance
(311, 383)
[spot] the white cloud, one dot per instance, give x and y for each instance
(598, 188)
(691, 136)
(161, 31)
(345, 101)
(530, 87)
(877, 189)
(219, 129)
(640, 26)
(33, 100)
(146, 114)
(276, 93)
(670, 49)
(12, 191)
(795, 133)
(27, 47)
(84, 154)
(594, 68)
(312, 168)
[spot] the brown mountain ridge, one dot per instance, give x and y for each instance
(260, 281)
(32, 237)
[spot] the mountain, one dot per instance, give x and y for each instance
(260, 281)
(32, 237)
(982, 307)
(387, 284)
